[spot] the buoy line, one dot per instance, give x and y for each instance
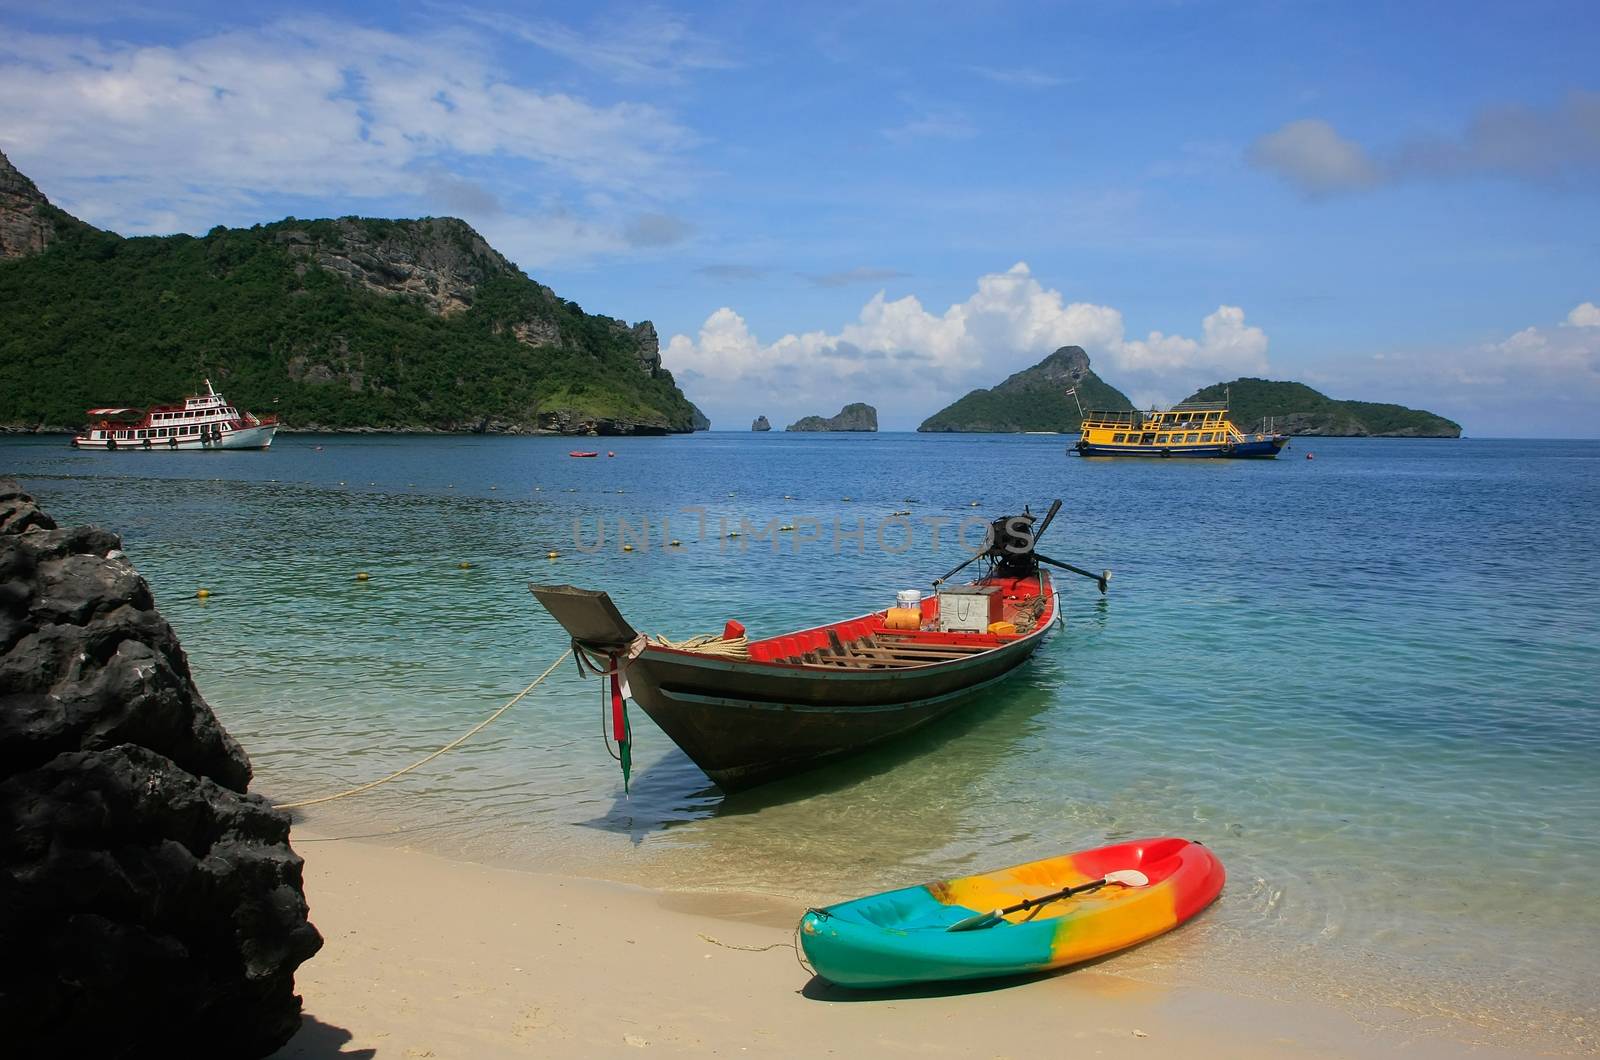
(457, 742)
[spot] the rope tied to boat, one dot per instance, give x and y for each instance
(457, 742)
(709, 644)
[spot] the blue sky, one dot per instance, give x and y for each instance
(896, 203)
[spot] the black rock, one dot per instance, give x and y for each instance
(148, 904)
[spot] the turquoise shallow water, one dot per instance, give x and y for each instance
(1368, 680)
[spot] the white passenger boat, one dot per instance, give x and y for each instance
(205, 421)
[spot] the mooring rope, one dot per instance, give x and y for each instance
(709, 644)
(457, 742)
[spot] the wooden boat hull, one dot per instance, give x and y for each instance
(745, 724)
(806, 698)
(902, 936)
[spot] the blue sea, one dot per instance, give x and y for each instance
(1370, 680)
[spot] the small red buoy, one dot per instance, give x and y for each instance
(1311, 456)
(610, 453)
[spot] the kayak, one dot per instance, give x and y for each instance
(904, 936)
(579, 452)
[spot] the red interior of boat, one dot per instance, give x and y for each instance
(867, 642)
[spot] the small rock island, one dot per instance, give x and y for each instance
(855, 416)
(761, 424)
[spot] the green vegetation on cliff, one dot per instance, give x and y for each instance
(1035, 399)
(338, 324)
(1295, 408)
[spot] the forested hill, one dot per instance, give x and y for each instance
(341, 324)
(1295, 408)
(1034, 399)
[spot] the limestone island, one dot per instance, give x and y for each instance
(348, 324)
(761, 424)
(1036, 400)
(1294, 408)
(855, 416)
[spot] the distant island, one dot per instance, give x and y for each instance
(761, 424)
(1294, 408)
(348, 324)
(1034, 399)
(853, 417)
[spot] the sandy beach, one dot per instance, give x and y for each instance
(427, 957)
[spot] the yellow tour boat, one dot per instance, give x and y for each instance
(1192, 429)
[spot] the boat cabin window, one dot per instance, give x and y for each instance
(1208, 437)
(1118, 437)
(1193, 437)
(1162, 440)
(1148, 439)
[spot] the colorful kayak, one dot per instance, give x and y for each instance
(905, 936)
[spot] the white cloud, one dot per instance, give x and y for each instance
(143, 138)
(1312, 156)
(910, 361)
(1586, 315)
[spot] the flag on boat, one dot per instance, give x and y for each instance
(1071, 390)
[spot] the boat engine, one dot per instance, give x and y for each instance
(1010, 545)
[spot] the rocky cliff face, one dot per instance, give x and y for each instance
(853, 417)
(148, 904)
(25, 225)
(438, 261)
(1034, 399)
(761, 424)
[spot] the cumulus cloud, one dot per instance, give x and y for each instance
(1541, 380)
(1557, 145)
(909, 360)
(145, 138)
(1586, 315)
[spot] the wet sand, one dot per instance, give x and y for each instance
(430, 957)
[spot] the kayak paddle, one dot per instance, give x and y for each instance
(1126, 877)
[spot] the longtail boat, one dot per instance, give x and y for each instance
(1027, 918)
(748, 712)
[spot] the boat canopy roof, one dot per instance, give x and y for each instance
(115, 412)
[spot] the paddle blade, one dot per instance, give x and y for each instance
(977, 921)
(1128, 877)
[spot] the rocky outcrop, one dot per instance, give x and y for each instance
(853, 417)
(438, 261)
(697, 419)
(761, 424)
(25, 224)
(1034, 399)
(148, 904)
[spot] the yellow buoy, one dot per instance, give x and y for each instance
(552, 554)
(675, 543)
(362, 576)
(733, 533)
(627, 548)
(201, 594)
(464, 565)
